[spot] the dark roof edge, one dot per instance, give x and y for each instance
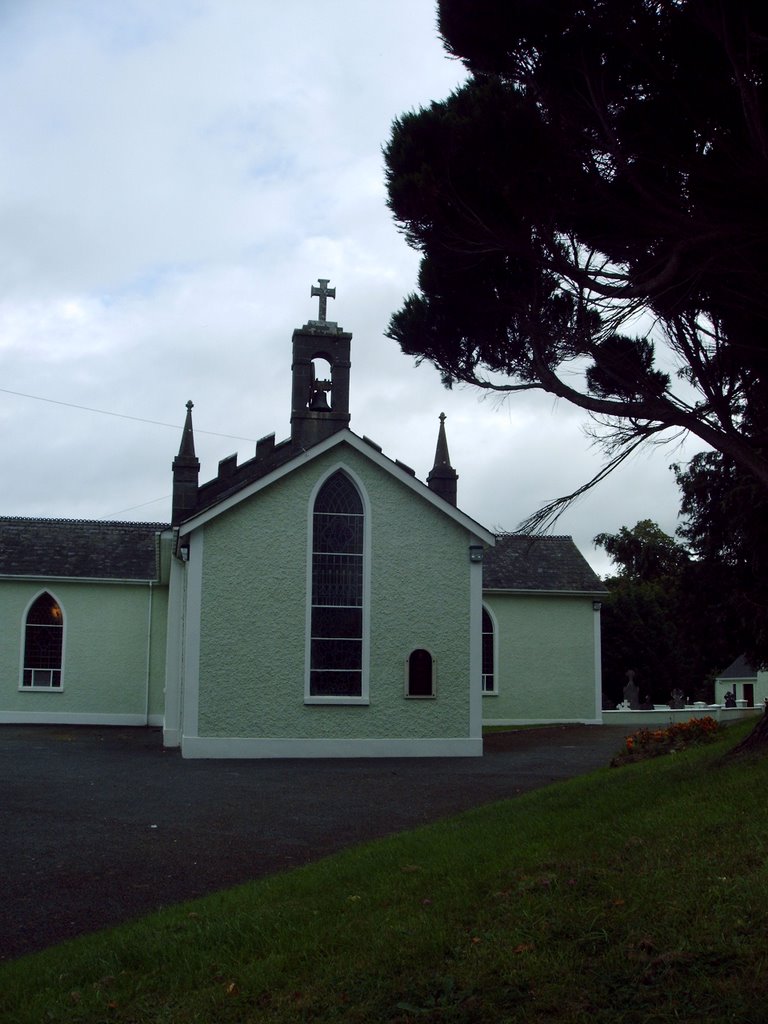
(544, 592)
(47, 520)
(124, 580)
(534, 537)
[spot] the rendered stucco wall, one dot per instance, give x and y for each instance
(545, 659)
(157, 638)
(254, 613)
(114, 648)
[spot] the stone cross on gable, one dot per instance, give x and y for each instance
(323, 293)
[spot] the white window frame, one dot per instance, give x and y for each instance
(363, 698)
(494, 692)
(42, 687)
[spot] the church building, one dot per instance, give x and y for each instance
(316, 600)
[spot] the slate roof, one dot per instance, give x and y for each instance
(79, 549)
(520, 562)
(739, 669)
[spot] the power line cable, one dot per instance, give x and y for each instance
(122, 415)
(133, 508)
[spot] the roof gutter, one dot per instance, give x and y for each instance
(76, 579)
(594, 594)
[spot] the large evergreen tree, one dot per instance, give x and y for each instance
(725, 527)
(671, 618)
(603, 160)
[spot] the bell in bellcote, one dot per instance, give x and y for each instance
(319, 401)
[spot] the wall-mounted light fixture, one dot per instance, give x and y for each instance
(475, 552)
(597, 605)
(184, 552)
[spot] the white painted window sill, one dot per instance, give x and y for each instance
(348, 701)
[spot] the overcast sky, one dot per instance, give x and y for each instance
(174, 177)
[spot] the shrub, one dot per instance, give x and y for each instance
(648, 742)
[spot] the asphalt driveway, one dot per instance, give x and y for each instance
(100, 825)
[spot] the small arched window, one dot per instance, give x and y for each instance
(336, 648)
(420, 674)
(489, 675)
(43, 644)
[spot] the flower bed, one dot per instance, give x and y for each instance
(647, 743)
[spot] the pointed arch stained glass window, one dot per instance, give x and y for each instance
(336, 658)
(43, 644)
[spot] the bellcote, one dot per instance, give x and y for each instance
(320, 375)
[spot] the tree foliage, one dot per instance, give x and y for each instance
(602, 161)
(643, 554)
(669, 617)
(725, 512)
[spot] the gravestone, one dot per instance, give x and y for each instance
(631, 692)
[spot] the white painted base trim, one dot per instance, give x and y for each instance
(171, 737)
(75, 718)
(250, 747)
(542, 721)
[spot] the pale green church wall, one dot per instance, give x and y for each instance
(254, 613)
(159, 631)
(545, 659)
(112, 658)
(159, 628)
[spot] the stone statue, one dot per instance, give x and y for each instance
(631, 692)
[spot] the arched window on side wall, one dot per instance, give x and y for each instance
(420, 674)
(43, 644)
(336, 647)
(489, 674)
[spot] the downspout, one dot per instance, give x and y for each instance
(598, 656)
(476, 642)
(149, 653)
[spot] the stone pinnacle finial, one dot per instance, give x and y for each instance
(186, 469)
(187, 447)
(442, 458)
(323, 293)
(443, 477)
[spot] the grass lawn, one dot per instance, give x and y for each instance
(636, 894)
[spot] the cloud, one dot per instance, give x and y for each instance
(173, 179)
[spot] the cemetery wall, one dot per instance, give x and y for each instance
(668, 716)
